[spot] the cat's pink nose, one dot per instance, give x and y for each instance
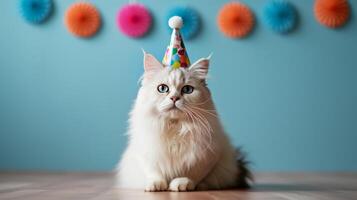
(174, 98)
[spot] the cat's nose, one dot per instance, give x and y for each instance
(174, 98)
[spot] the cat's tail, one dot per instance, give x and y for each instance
(245, 176)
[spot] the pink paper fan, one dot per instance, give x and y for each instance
(134, 20)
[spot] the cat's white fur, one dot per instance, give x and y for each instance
(177, 146)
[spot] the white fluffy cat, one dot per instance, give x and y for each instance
(176, 141)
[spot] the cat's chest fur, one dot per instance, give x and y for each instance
(179, 149)
(175, 138)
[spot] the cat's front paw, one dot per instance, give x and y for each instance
(156, 185)
(181, 184)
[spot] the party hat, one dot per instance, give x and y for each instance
(176, 55)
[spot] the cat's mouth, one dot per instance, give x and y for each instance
(173, 112)
(173, 107)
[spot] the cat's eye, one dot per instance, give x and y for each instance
(187, 89)
(162, 88)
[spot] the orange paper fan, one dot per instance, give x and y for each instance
(82, 19)
(235, 20)
(332, 13)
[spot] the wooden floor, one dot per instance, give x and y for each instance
(77, 186)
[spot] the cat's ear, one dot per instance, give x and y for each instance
(151, 63)
(199, 69)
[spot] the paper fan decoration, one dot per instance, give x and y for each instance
(280, 16)
(332, 13)
(35, 11)
(235, 20)
(134, 20)
(82, 19)
(191, 20)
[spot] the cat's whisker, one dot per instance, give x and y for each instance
(212, 113)
(208, 130)
(189, 104)
(204, 123)
(199, 118)
(194, 118)
(188, 113)
(200, 103)
(203, 120)
(196, 127)
(201, 109)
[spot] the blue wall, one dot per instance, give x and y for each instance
(291, 101)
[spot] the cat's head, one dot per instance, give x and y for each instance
(175, 93)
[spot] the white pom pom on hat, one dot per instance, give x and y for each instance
(175, 22)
